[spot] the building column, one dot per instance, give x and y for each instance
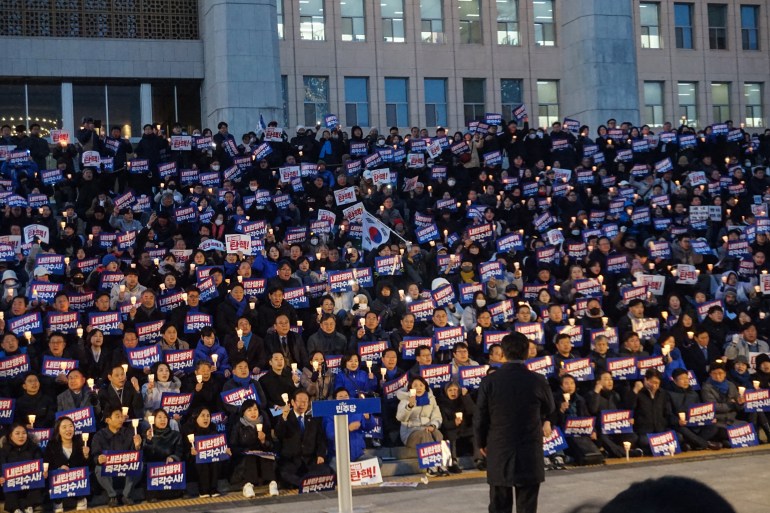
(599, 61)
(145, 106)
(241, 63)
(68, 123)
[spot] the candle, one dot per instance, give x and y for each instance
(31, 419)
(125, 411)
(85, 438)
(90, 382)
(259, 427)
(285, 398)
(412, 392)
(665, 350)
(361, 322)
(199, 378)
(478, 330)
(314, 363)
(133, 300)
(28, 335)
(369, 365)
(383, 371)
(604, 321)
(151, 420)
(239, 332)
(299, 324)
(156, 261)
(192, 267)
(627, 447)
(79, 332)
(459, 415)
(214, 358)
(125, 367)
(756, 384)
(191, 439)
(566, 395)
(572, 322)
(682, 415)
(184, 297)
(66, 260)
(690, 334)
(741, 390)
(135, 423)
(293, 367)
(151, 378)
(45, 466)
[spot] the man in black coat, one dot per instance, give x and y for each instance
(119, 394)
(303, 443)
(700, 353)
(513, 405)
(288, 343)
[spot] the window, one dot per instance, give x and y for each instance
(649, 16)
(39, 104)
(474, 107)
(285, 98)
(316, 99)
(435, 102)
(88, 101)
(175, 102)
(750, 27)
(353, 27)
(547, 102)
(124, 110)
(357, 101)
(432, 21)
(717, 14)
(545, 29)
(470, 22)
(279, 8)
(653, 103)
(752, 93)
(720, 101)
(683, 26)
(311, 20)
(511, 96)
(508, 22)
(688, 102)
(393, 21)
(397, 101)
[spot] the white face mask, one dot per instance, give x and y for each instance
(215, 168)
(252, 188)
(481, 303)
(218, 222)
(451, 182)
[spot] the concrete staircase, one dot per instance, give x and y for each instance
(400, 461)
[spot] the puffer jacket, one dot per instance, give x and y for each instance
(418, 417)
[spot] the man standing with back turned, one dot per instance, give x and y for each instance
(513, 404)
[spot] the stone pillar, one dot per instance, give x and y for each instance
(241, 65)
(599, 60)
(145, 109)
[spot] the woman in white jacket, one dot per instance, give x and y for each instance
(420, 418)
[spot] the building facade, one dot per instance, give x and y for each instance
(382, 63)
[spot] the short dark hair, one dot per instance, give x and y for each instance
(515, 346)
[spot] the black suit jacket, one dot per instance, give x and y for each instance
(109, 399)
(512, 404)
(296, 445)
(296, 353)
(697, 362)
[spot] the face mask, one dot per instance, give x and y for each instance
(78, 280)
(481, 303)
(218, 222)
(215, 168)
(451, 182)
(531, 136)
(594, 311)
(540, 135)
(335, 136)
(575, 232)
(252, 188)
(381, 142)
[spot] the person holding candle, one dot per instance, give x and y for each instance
(199, 424)
(280, 379)
(740, 376)
(315, 378)
(33, 402)
(77, 394)
(327, 339)
(303, 441)
(457, 411)
(242, 378)
(160, 381)
(15, 447)
(204, 386)
(64, 451)
(162, 444)
(146, 311)
(119, 394)
(604, 396)
(569, 403)
(683, 397)
(285, 341)
(10, 347)
(357, 424)
(269, 310)
(246, 345)
(234, 306)
(356, 381)
(96, 358)
(420, 418)
(672, 356)
(116, 436)
(208, 346)
(130, 287)
(252, 434)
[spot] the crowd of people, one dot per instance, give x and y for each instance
(158, 295)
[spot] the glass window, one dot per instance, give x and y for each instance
(649, 17)
(653, 103)
(431, 21)
(393, 21)
(688, 102)
(89, 102)
(279, 6)
(752, 93)
(547, 102)
(717, 14)
(316, 102)
(173, 102)
(720, 101)
(474, 107)
(124, 109)
(357, 101)
(285, 98)
(435, 102)
(683, 26)
(750, 27)
(470, 22)
(511, 96)
(12, 104)
(397, 101)
(44, 103)
(545, 29)
(353, 26)
(508, 22)
(311, 20)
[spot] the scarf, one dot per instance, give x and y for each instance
(326, 149)
(423, 400)
(246, 422)
(164, 437)
(743, 380)
(243, 382)
(722, 387)
(240, 306)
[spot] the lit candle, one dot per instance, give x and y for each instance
(31, 419)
